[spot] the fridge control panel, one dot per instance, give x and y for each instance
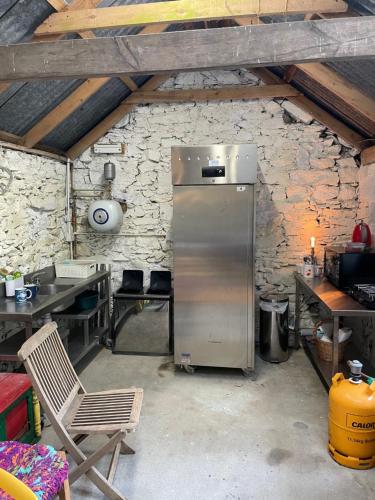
(216, 164)
(213, 171)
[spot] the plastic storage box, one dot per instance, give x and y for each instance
(17, 420)
(75, 268)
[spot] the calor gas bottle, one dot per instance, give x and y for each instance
(352, 419)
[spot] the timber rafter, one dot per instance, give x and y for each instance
(179, 11)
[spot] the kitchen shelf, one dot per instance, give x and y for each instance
(73, 313)
(77, 349)
(324, 368)
(10, 346)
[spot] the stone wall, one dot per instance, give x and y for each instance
(32, 210)
(367, 196)
(307, 178)
(364, 329)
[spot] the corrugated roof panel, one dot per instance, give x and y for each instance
(33, 101)
(21, 20)
(5, 5)
(364, 7)
(10, 92)
(93, 111)
(140, 80)
(359, 73)
(347, 113)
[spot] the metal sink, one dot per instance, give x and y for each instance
(52, 288)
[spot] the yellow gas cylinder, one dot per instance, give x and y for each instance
(352, 419)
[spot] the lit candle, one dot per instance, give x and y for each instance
(312, 239)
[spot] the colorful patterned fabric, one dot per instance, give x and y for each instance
(38, 466)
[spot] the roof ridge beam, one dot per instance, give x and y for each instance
(251, 46)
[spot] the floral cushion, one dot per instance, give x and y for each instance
(38, 466)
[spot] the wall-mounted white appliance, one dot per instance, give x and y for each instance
(106, 216)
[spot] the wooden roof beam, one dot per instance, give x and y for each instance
(341, 87)
(13, 141)
(322, 116)
(179, 11)
(251, 46)
(215, 94)
(368, 156)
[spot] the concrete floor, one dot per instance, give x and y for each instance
(217, 435)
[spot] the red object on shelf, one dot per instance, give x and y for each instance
(362, 234)
(12, 387)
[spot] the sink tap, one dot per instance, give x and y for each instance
(35, 277)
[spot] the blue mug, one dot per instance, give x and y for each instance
(33, 288)
(22, 295)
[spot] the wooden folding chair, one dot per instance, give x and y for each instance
(76, 414)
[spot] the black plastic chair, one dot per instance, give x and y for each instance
(131, 294)
(132, 281)
(160, 283)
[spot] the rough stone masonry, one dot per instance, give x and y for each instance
(32, 206)
(32, 211)
(307, 178)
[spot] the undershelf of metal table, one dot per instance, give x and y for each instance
(324, 368)
(338, 305)
(77, 344)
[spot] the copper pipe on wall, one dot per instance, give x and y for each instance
(74, 211)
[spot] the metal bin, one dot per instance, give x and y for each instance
(274, 328)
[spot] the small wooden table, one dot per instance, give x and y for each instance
(338, 305)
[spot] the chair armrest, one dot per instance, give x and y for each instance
(14, 487)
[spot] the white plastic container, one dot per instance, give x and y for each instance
(10, 286)
(308, 271)
(75, 268)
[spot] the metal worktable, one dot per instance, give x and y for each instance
(338, 305)
(33, 309)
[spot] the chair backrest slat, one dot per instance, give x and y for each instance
(53, 376)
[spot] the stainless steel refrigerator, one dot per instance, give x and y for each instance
(214, 236)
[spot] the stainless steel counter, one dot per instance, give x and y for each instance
(33, 309)
(42, 304)
(337, 302)
(338, 305)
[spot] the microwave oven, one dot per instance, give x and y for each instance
(345, 269)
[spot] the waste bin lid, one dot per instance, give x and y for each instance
(275, 297)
